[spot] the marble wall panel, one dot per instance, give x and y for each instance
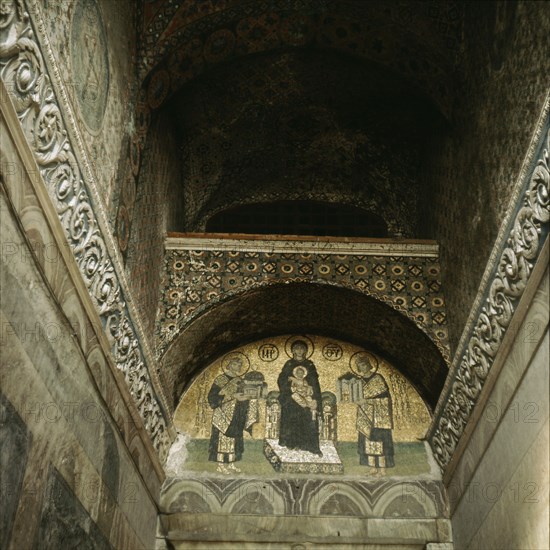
(501, 405)
(44, 247)
(508, 500)
(47, 380)
(498, 491)
(58, 375)
(64, 521)
(519, 518)
(15, 441)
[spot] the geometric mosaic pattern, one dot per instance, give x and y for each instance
(195, 280)
(185, 38)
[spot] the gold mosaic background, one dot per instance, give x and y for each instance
(411, 416)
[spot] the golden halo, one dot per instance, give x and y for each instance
(308, 341)
(236, 355)
(360, 354)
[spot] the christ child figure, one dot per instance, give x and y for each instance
(302, 392)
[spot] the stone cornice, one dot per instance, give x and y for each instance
(31, 171)
(302, 245)
(91, 180)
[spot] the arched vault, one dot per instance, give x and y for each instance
(304, 308)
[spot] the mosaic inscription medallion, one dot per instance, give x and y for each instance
(90, 63)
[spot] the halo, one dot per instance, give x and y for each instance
(302, 368)
(371, 357)
(236, 355)
(292, 339)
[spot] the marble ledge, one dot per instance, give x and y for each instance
(328, 529)
(301, 244)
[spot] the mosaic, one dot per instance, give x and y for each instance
(90, 62)
(294, 496)
(182, 40)
(323, 406)
(239, 122)
(194, 280)
(188, 37)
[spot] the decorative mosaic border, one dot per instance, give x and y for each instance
(198, 279)
(23, 70)
(516, 251)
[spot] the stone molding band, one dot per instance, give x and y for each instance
(516, 251)
(24, 72)
(303, 246)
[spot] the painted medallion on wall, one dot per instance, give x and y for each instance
(90, 63)
(303, 404)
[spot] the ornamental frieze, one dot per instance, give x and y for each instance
(515, 255)
(24, 72)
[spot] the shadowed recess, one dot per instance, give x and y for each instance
(298, 218)
(304, 308)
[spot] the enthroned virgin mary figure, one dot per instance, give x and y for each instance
(301, 404)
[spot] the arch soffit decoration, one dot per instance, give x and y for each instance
(301, 125)
(167, 339)
(304, 308)
(181, 41)
(417, 44)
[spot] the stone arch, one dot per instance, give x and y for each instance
(339, 499)
(408, 499)
(218, 299)
(304, 308)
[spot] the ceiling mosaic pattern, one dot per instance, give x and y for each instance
(302, 125)
(419, 40)
(298, 100)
